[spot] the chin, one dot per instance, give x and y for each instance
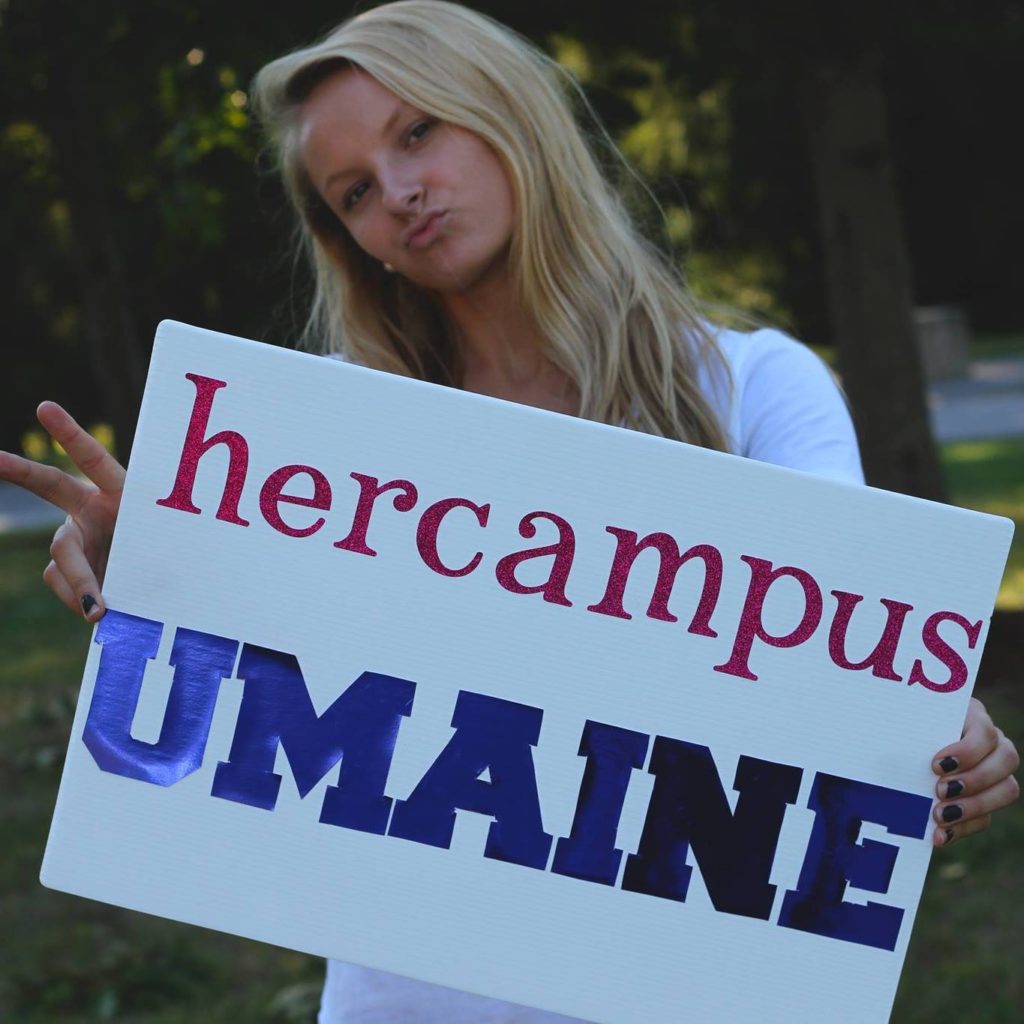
(451, 280)
(451, 270)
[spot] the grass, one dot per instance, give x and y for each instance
(966, 946)
(71, 960)
(989, 476)
(996, 346)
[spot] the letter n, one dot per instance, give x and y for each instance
(689, 808)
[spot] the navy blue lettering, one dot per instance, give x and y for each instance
(493, 735)
(359, 729)
(689, 807)
(835, 858)
(200, 662)
(589, 850)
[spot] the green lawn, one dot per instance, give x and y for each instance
(995, 346)
(964, 958)
(989, 476)
(72, 960)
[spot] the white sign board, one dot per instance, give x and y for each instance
(515, 703)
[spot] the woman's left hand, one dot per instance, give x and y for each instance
(976, 778)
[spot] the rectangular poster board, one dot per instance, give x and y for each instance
(513, 702)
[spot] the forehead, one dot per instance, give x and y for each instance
(348, 106)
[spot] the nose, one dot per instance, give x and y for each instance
(402, 194)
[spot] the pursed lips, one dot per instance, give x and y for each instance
(424, 230)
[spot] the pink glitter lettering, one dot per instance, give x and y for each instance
(762, 576)
(271, 497)
(671, 561)
(938, 647)
(563, 551)
(426, 534)
(196, 446)
(370, 488)
(880, 660)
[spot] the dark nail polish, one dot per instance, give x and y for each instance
(949, 764)
(949, 835)
(88, 603)
(954, 812)
(954, 788)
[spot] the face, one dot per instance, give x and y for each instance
(428, 198)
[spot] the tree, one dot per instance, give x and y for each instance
(868, 273)
(127, 140)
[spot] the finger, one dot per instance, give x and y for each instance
(68, 555)
(47, 482)
(946, 834)
(980, 737)
(980, 806)
(83, 449)
(1003, 761)
(54, 579)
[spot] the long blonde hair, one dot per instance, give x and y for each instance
(615, 313)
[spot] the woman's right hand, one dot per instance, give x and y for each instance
(81, 545)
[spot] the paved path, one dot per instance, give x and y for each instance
(987, 402)
(20, 510)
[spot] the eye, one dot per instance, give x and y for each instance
(420, 129)
(354, 195)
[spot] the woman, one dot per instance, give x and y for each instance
(461, 232)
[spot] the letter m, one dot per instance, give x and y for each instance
(359, 729)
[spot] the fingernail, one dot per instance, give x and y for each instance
(88, 603)
(954, 812)
(949, 836)
(949, 764)
(954, 788)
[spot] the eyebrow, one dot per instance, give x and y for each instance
(388, 125)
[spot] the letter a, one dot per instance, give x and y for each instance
(495, 735)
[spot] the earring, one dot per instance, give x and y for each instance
(387, 266)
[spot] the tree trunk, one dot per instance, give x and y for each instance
(868, 275)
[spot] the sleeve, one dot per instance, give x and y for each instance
(791, 411)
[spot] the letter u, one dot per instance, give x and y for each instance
(200, 662)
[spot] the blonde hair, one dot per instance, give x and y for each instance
(616, 315)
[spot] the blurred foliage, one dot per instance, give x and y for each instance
(678, 136)
(40, 447)
(142, 191)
